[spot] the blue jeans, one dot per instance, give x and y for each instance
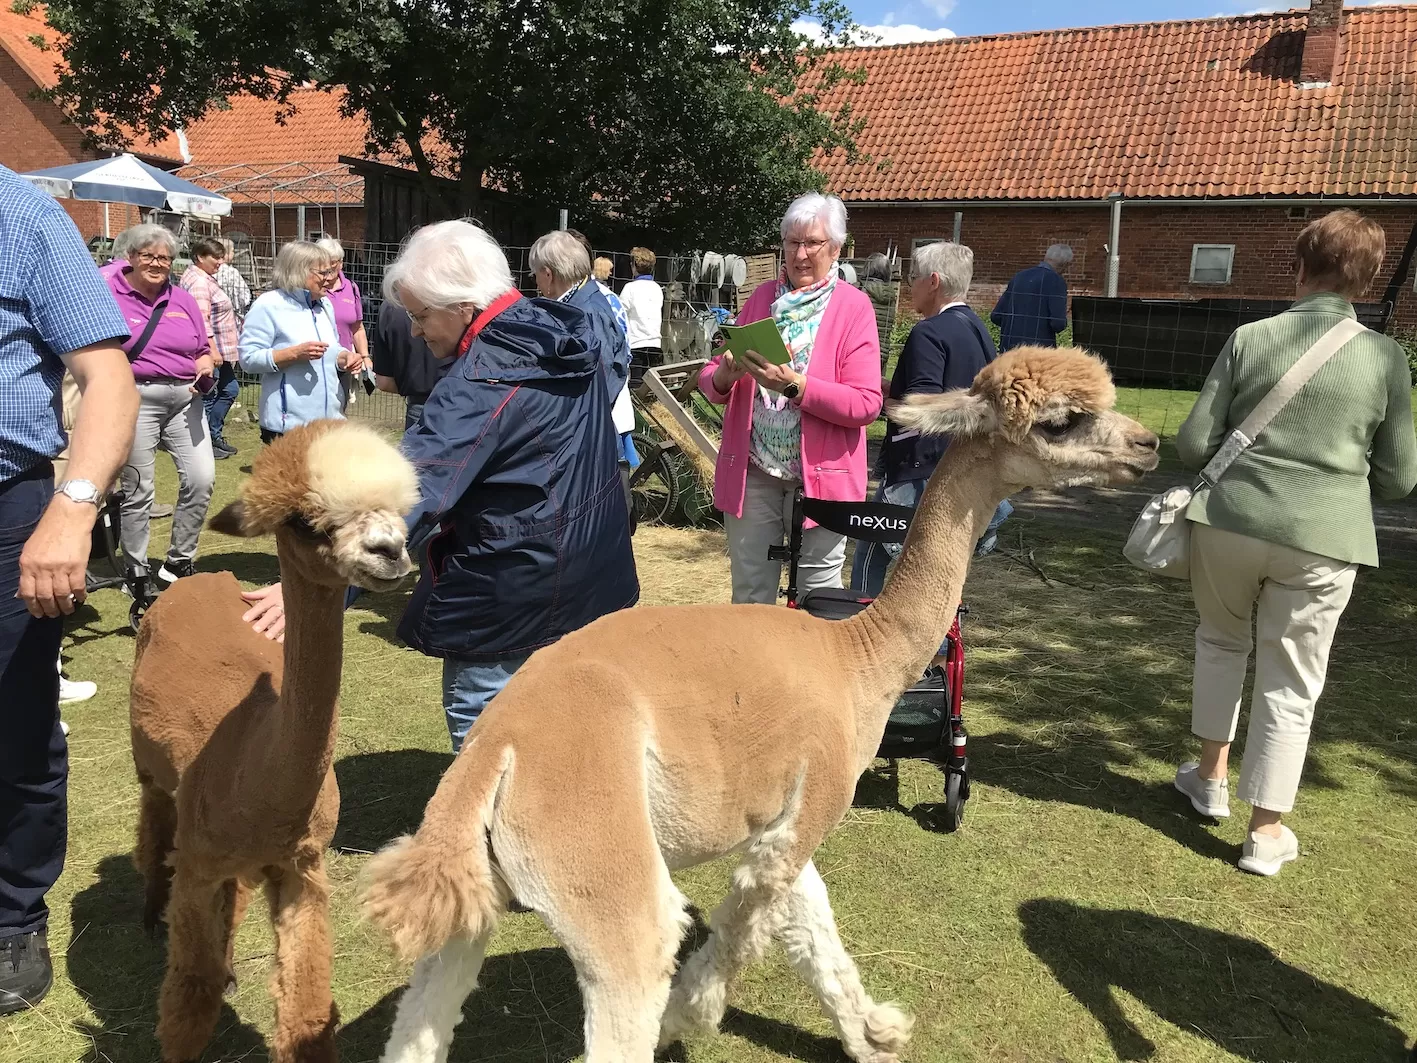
(218, 401)
(873, 560)
(34, 757)
(467, 688)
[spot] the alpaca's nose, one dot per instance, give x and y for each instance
(1148, 441)
(389, 548)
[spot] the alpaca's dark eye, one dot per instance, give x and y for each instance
(303, 528)
(1058, 429)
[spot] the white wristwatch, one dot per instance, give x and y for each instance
(80, 491)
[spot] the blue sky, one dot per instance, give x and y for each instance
(899, 20)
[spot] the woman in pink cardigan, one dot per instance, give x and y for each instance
(802, 424)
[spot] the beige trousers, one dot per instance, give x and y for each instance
(70, 394)
(1300, 597)
(767, 522)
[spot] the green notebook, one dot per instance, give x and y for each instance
(761, 336)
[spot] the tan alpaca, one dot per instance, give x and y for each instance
(655, 739)
(233, 737)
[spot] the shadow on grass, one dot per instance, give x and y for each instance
(879, 787)
(1230, 990)
(118, 969)
(257, 566)
(382, 795)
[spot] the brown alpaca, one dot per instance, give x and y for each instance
(656, 739)
(233, 736)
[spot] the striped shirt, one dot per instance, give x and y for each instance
(217, 312)
(52, 301)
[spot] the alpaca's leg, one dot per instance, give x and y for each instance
(870, 1032)
(157, 822)
(742, 927)
(191, 991)
(236, 896)
(305, 1010)
(432, 1004)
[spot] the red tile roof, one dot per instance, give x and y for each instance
(17, 33)
(1169, 109)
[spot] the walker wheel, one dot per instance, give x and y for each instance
(956, 794)
(135, 615)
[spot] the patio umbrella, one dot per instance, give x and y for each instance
(125, 179)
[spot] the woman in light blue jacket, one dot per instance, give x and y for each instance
(290, 341)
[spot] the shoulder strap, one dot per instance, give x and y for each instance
(153, 319)
(1299, 374)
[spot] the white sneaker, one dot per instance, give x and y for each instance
(64, 727)
(1209, 797)
(71, 691)
(1265, 855)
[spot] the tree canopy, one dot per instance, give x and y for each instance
(698, 119)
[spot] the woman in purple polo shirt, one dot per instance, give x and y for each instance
(172, 362)
(349, 311)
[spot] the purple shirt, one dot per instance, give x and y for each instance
(349, 310)
(179, 339)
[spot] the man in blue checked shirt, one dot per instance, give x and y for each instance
(55, 313)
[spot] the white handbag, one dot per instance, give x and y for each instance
(1160, 539)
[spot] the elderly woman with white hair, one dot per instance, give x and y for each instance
(170, 351)
(525, 532)
(801, 424)
(345, 297)
(944, 351)
(290, 340)
(1034, 307)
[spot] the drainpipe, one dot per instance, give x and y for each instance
(959, 225)
(1114, 259)
(564, 221)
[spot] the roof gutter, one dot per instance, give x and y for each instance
(1175, 201)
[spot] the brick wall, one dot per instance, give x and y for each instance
(1156, 245)
(255, 220)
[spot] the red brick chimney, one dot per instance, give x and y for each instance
(1323, 41)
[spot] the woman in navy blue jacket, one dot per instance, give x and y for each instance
(522, 519)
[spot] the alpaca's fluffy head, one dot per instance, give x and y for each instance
(1048, 412)
(338, 492)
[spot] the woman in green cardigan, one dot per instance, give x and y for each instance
(1287, 526)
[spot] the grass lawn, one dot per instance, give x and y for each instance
(1081, 913)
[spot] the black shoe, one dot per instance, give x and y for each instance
(222, 449)
(25, 971)
(172, 571)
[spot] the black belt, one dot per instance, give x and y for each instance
(43, 471)
(417, 400)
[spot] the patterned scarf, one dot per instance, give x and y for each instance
(798, 315)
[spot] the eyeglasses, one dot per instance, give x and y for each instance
(810, 246)
(327, 274)
(419, 317)
(146, 259)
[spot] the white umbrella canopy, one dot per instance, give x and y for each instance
(127, 179)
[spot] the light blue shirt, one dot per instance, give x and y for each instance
(302, 391)
(52, 301)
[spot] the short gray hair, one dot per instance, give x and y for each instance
(450, 263)
(562, 254)
(332, 247)
(952, 263)
(228, 246)
(294, 264)
(805, 210)
(143, 236)
(1059, 255)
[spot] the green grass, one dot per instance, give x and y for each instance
(1081, 914)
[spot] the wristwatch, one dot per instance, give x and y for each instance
(80, 491)
(791, 391)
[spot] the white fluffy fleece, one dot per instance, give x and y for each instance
(352, 471)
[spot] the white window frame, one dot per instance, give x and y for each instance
(1196, 250)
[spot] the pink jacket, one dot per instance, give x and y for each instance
(843, 396)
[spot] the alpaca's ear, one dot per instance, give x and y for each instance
(231, 520)
(956, 413)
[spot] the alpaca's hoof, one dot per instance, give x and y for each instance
(886, 1031)
(692, 1012)
(228, 991)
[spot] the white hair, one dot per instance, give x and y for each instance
(562, 254)
(1059, 255)
(450, 263)
(140, 237)
(294, 264)
(813, 207)
(332, 247)
(952, 263)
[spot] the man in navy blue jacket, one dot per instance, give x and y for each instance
(521, 517)
(1034, 307)
(944, 351)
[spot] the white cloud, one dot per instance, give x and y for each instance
(942, 8)
(886, 33)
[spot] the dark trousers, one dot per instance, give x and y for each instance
(413, 411)
(34, 757)
(218, 401)
(268, 436)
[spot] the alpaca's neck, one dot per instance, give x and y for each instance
(902, 631)
(305, 724)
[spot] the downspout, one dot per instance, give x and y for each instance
(1114, 258)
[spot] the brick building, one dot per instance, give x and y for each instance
(37, 135)
(1211, 142)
